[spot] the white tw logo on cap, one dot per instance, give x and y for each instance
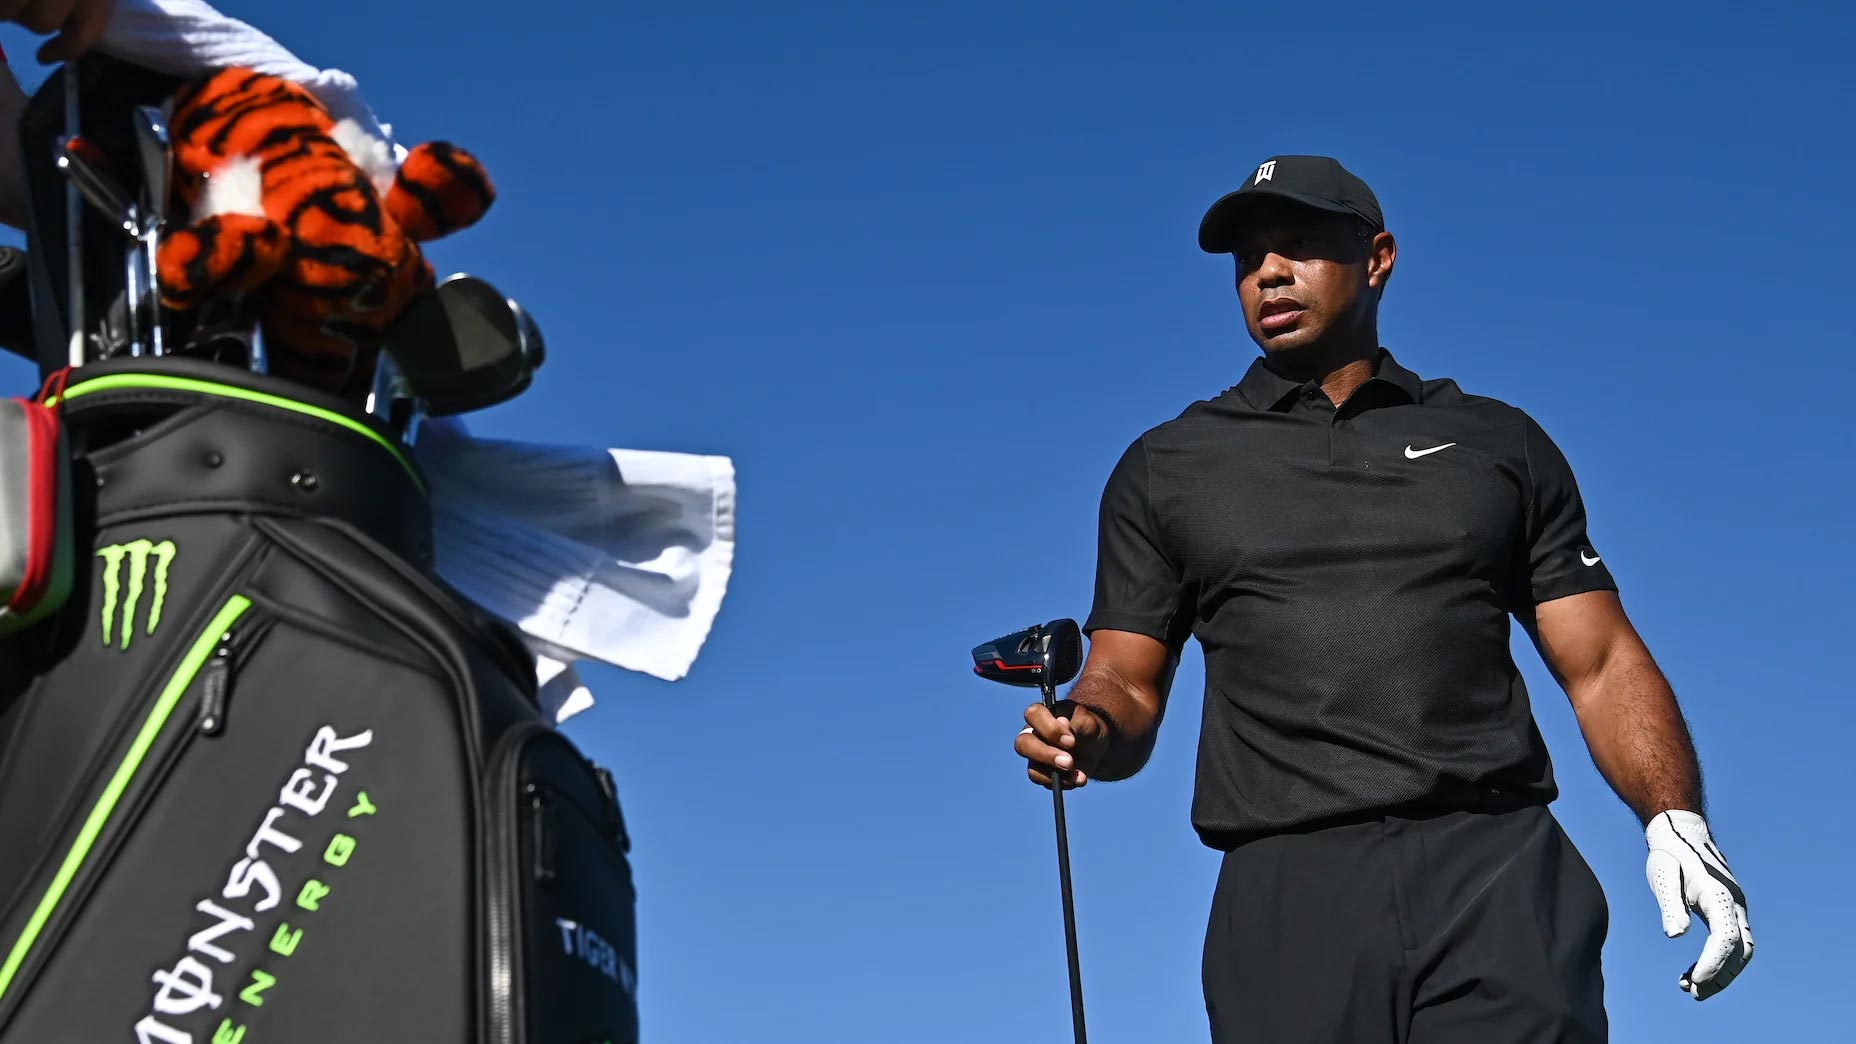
(1265, 172)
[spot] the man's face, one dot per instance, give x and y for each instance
(1304, 275)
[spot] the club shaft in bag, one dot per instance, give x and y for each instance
(156, 150)
(74, 231)
(1069, 902)
(132, 290)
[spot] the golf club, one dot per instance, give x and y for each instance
(88, 171)
(227, 330)
(79, 348)
(157, 156)
(255, 356)
(393, 399)
(465, 346)
(1045, 656)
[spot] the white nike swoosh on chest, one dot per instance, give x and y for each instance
(1592, 561)
(1414, 454)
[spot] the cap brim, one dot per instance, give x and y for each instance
(1221, 223)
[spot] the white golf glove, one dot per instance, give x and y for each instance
(1687, 871)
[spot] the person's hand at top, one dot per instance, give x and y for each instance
(79, 24)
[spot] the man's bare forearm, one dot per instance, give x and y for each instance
(1134, 717)
(1636, 733)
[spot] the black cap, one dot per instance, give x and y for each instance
(1315, 181)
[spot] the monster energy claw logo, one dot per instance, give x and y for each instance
(136, 553)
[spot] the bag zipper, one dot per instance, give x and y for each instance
(217, 675)
(502, 875)
(540, 834)
(216, 687)
(508, 875)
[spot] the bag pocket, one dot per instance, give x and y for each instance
(563, 942)
(297, 866)
(161, 735)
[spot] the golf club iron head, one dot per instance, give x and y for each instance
(157, 156)
(1043, 657)
(88, 171)
(77, 352)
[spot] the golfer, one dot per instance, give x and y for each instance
(1348, 540)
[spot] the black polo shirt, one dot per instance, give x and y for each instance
(1350, 574)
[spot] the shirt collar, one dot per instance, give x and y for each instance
(1399, 377)
(1265, 389)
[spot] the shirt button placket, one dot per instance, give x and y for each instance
(1344, 451)
(1323, 407)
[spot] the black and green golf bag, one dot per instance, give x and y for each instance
(264, 775)
(265, 779)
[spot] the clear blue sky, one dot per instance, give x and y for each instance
(924, 270)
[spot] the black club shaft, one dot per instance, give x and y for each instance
(1069, 902)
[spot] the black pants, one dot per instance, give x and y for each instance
(1454, 928)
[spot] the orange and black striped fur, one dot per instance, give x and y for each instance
(309, 215)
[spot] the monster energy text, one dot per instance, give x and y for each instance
(193, 987)
(126, 595)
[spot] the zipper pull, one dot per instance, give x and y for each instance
(216, 687)
(541, 836)
(615, 818)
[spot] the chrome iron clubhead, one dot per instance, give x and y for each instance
(157, 154)
(156, 150)
(139, 219)
(78, 350)
(88, 171)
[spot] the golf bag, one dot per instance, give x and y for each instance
(264, 778)
(263, 773)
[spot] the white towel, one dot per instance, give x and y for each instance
(190, 38)
(621, 556)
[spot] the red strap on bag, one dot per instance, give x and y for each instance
(51, 393)
(42, 511)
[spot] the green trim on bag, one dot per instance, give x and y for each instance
(203, 647)
(113, 381)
